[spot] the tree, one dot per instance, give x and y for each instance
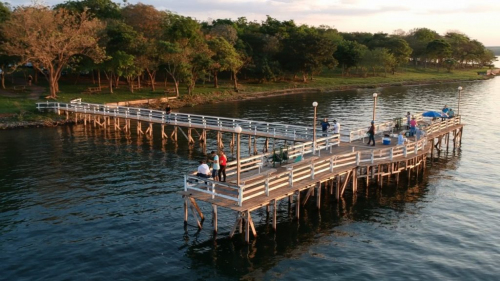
(101, 9)
(438, 50)
(5, 60)
(49, 39)
(120, 43)
(418, 39)
(225, 31)
(305, 51)
(225, 58)
(401, 51)
(147, 22)
(349, 54)
(379, 58)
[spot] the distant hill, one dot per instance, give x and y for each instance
(496, 50)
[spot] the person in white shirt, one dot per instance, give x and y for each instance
(336, 127)
(203, 170)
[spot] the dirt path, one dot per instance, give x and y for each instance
(32, 92)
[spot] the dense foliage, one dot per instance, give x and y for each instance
(136, 42)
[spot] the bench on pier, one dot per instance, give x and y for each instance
(19, 88)
(303, 162)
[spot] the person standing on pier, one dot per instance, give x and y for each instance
(222, 162)
(168, 110)
(215, 166)
(371, 133)
(408, 118)
(324, 126)
(336, 127)
(413, 126)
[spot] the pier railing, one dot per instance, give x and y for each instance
(249, 127)
(309, 168)
(258, 162)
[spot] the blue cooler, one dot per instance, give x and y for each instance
(386, 141)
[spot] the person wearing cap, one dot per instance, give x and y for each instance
(371, 133)
(336, 127)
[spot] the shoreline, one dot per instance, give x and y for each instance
(7, 122)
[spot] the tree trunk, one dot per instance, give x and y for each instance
(304, 77)
(176, 85)
(110, 82)
(216, 82)
(52, 86)
(235, 81)
(3, 80)
(152, 78)
(99, 78)
(77, 76)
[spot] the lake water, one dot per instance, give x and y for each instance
(80, 203)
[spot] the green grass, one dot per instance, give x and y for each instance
(203, 93)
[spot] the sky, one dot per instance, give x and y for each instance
(478, 19)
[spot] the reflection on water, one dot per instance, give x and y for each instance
(85, 203)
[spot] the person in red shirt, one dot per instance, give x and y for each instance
(222, 163)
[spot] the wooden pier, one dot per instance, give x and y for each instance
(333, 164)
(330, 169)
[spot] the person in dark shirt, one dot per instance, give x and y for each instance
(168, 110)
(371, 133)
(324, 126)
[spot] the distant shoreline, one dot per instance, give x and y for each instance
(12, 121)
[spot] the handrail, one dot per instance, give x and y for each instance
(250, 127)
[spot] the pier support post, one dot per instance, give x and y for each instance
(214, 217)
(297, 205)
(275, 211)
(318, 195)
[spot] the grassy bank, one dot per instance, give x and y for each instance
(22, 105)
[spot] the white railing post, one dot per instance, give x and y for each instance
(391, 154)
(331, 164)
(185, 183)
(290, 176)
(358, 158)
(373, 156)
(213, 190)
(405, 151)
(240, 195)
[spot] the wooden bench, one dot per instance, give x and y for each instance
(91, 90)
(303, 162)
(169, 91)
(19, 88)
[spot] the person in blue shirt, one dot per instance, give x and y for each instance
(324, 126)
(445, 109)
(451, 113)
(445, 112)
